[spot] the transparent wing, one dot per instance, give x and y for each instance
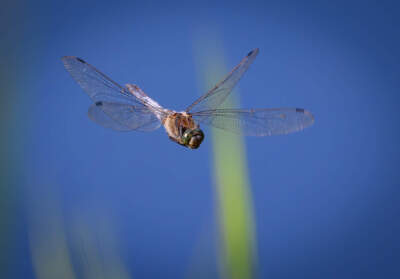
(116, 99)
(217, 95)
(122, 117)
(257, 122)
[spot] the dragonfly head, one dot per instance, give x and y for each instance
(192, 138)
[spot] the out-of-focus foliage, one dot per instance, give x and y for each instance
(233, 198)
(12, 32)
(90, 251)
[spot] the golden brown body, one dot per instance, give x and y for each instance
(180, 126)
(177, 123)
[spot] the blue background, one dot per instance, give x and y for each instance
(326, 200)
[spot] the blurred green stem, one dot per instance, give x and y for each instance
(238, 257)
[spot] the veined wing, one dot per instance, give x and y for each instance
(120, 110)
(129, 117)
(257, 122)
(217, 95)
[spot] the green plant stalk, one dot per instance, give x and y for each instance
(47, 237)
(234, 203)
(235, 206)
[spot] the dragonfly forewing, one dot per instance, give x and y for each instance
(218, 94)
(114, 106)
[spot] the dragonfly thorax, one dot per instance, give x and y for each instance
(182, 129)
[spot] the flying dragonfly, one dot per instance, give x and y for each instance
(130, 109)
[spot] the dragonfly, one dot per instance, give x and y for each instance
(128, 108)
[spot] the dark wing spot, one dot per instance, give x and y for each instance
(250, 53)
(300, 110)
(99, 104)
(80, 60)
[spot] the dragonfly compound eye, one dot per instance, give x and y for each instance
(186, 137)
(192, 138)
(196, 138)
